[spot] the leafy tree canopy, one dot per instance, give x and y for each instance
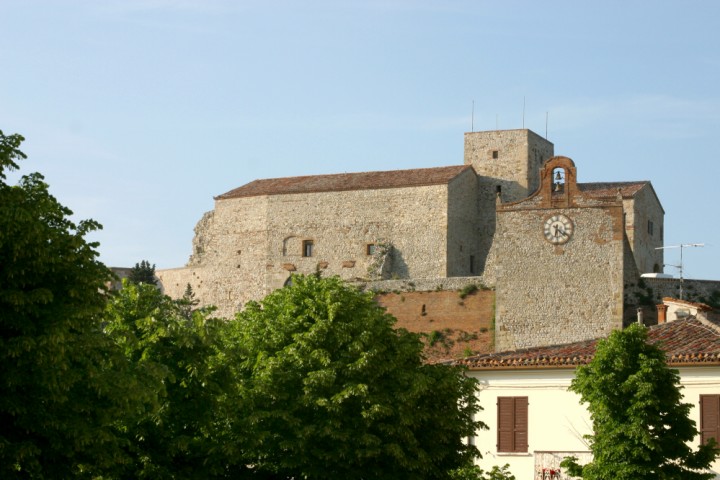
(641, 426)
(473, 472)
(175, 353)
(143, 272)
(330, 390)
(62, 384)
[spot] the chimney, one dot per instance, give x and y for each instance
(662, 313)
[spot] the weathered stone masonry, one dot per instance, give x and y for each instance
(480, 220)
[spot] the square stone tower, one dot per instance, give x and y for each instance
(508, 164)
(510, 159)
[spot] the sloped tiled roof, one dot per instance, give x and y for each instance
(686, 342)
(610, 189)
(347, 181)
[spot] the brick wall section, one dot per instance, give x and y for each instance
(462, 325)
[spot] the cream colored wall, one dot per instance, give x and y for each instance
(557, 420)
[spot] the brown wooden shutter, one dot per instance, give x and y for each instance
(521, 424)
(709, 418)
(512, 421)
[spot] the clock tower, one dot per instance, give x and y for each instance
(561, 268)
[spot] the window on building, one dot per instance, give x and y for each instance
(512, 420)
(651, 227)
(495, 154)
(370, 248)
(709, 418)
(472, 263)
(307, 248)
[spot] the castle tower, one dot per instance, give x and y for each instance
(508, 164)
(561, 264)
(510, 159)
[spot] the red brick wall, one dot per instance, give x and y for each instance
(461, 326)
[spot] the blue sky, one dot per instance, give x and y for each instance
(138, 112)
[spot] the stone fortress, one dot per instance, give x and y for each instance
(562, 257)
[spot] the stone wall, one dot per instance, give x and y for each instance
(508, 163)
(644, 225)
(549, 294)
(509, 158)
(250, 246)
(647, 293)
(463, 252)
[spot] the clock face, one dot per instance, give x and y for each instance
(558, 229)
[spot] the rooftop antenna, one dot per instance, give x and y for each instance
(523, 112)
(472, 117)
(546, 123)
(680, 267)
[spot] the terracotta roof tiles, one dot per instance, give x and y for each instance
(347, 181)
(610, 189)
(687, 341)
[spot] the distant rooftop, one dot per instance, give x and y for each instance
(610, 189)
(686, 342)
(347, 181)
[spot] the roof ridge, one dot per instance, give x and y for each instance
(348, 181)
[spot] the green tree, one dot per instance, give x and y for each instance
(188, 303)
(330, 390)
(143, 272)
(641, 427)
(175, 353)
(473, 472)
(62, 383)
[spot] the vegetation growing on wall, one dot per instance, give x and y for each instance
(379, 260)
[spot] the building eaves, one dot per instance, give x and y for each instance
(685, 342)
(347, 181)
(610, 189)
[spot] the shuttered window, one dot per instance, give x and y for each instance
(512, 420)
(709, 418)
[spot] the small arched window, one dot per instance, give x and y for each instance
(558, 178)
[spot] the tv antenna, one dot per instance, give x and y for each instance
(680, 267)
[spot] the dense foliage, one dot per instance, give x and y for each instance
(331, 390)
(174, 350)
(62, 384)
(143, 272)
(473, 472)
(314, 382)
(641, 427)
